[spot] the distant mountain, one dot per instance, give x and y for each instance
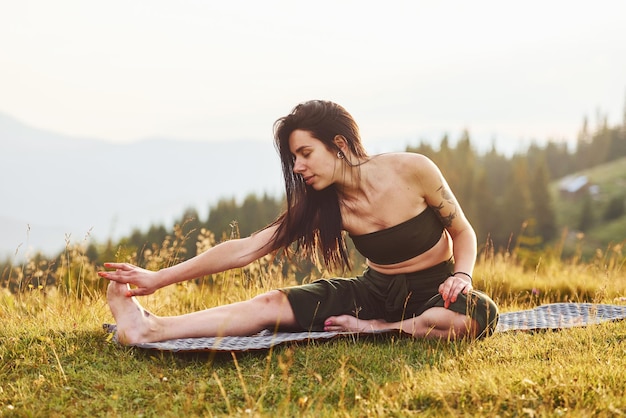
(53, 186)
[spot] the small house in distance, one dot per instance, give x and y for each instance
(573, 187)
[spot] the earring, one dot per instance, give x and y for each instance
(340, 155)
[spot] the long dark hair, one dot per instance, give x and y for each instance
(312, 219)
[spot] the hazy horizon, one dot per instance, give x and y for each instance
(59, 188)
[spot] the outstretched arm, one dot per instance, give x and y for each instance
(224, 256)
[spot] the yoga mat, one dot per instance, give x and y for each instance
(550, 316)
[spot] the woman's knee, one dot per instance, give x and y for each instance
(273, 297)
(273, 308)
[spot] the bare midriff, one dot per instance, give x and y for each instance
(440, 252)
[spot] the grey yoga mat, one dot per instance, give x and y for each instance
(550, 316)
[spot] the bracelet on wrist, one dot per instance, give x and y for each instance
(465, 274)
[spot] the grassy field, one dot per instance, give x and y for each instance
(55, 359)
(611, 180)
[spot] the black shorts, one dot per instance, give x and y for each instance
(374, 295)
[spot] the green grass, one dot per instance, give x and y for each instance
(611, 179)
(55, 359)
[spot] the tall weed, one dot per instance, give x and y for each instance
(55, 359)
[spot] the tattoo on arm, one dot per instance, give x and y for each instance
(445, 193)
(447, 197)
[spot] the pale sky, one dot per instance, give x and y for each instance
(207, 70)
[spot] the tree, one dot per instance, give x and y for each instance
(617, 144)
(463, 161)
(586, 214)
(516, 201)
(558, 159)
(624, 121)
(583, 146)
(542, 208)
(497, 168)
(221, 216)
(190, 226)
(486, 222)
(615, 209)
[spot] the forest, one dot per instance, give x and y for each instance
(513, 202)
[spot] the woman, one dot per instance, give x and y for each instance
(400, 214)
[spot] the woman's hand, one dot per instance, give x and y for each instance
(145, 281)
(450, 289)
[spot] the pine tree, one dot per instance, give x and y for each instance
(542, 208)
(516, 203)
(486, 221)
(586, 214)
(615, 208)
(624, 120)
(190, 226)
(583, 147)
(464, 168)
(558, 159)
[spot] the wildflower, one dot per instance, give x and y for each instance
(303, 401)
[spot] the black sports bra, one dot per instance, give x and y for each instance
(403, 241)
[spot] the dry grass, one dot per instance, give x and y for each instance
(56, 361)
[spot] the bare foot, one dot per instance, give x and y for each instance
(349, 323)
(134, 324)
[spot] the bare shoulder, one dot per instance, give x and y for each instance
(410, 158)
(409, 163)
